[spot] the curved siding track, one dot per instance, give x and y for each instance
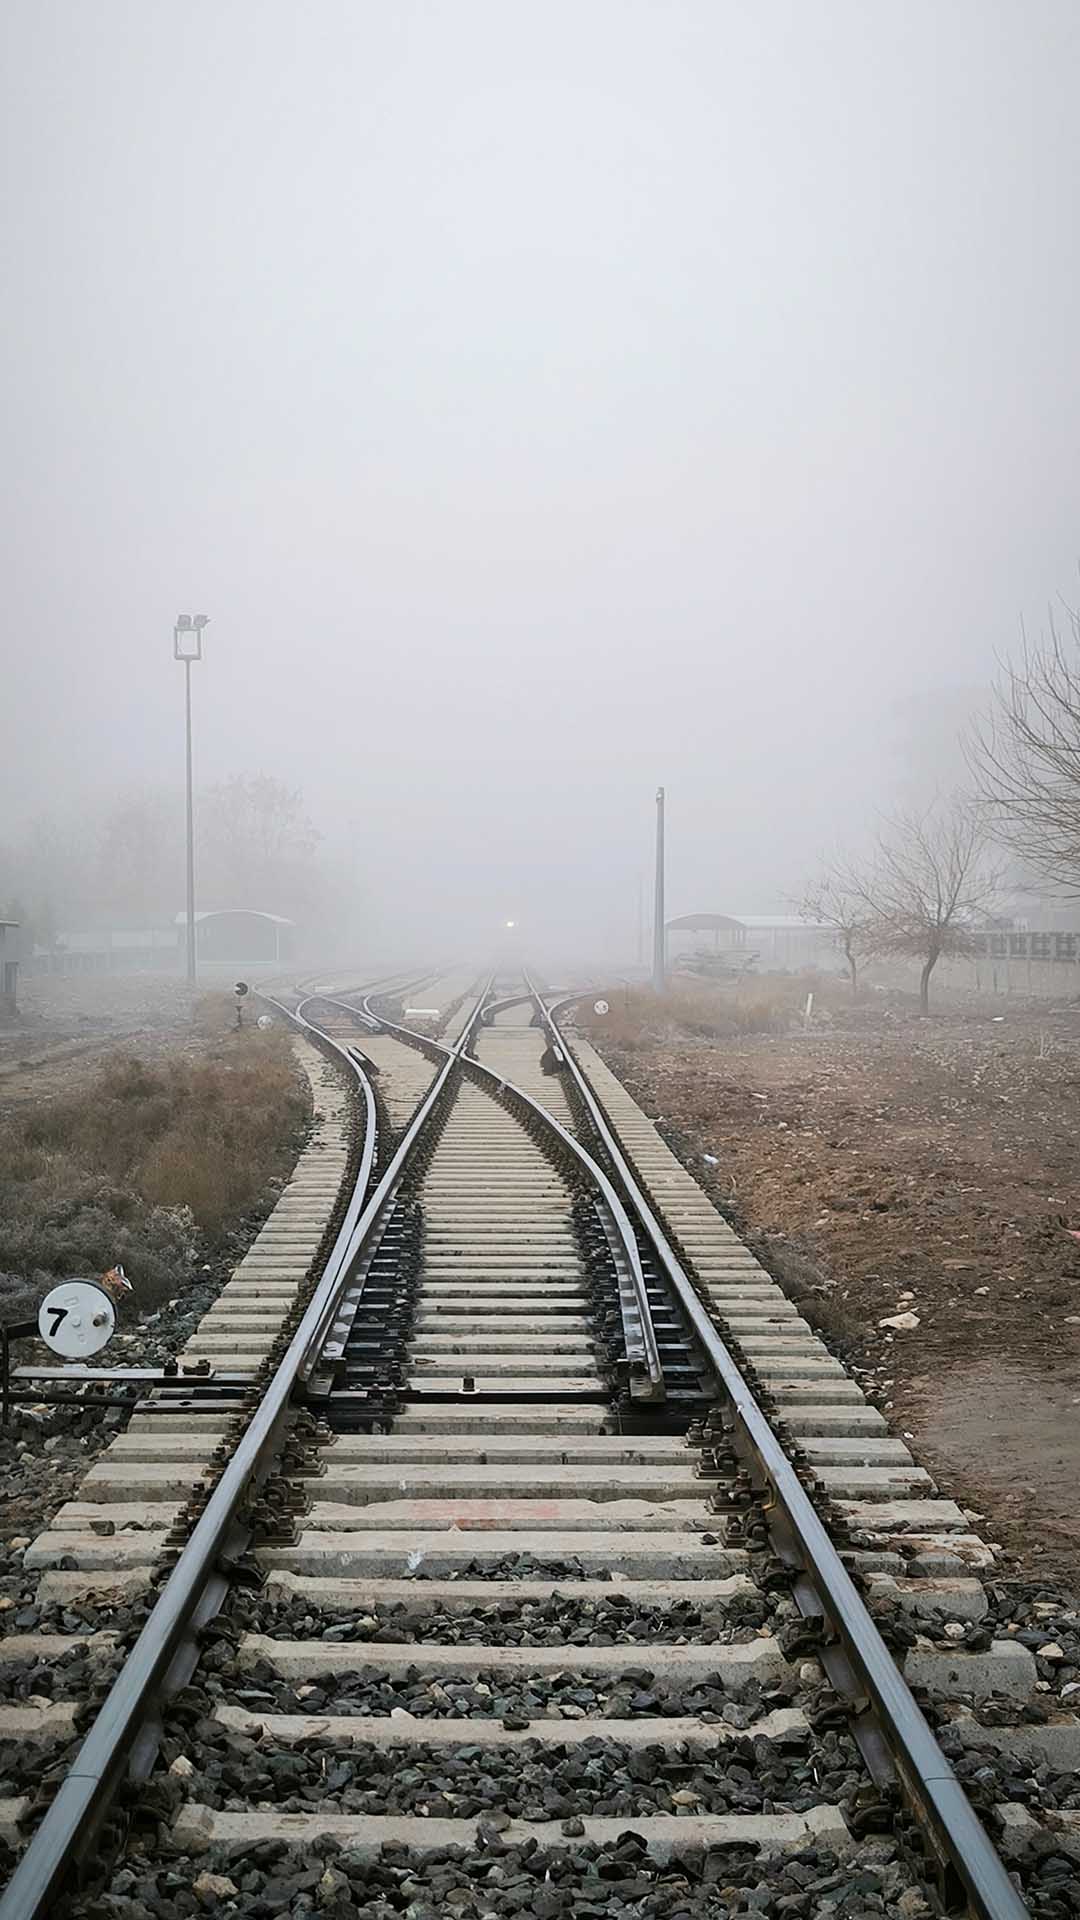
(513, 1586)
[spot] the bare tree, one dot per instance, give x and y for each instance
(929, 886)
(258, 846)
(1025, 756)
(830, 901)
(49, 869)
(140, 855)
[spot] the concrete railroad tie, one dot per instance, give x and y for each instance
(437, 1516)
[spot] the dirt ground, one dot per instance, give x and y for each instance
(883, 1164)
(65, 1026)
(880, 1164)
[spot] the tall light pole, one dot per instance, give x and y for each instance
(187, 646)
(659, 956)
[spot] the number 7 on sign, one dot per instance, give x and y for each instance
(76, 1319)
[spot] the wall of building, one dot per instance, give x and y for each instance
(9, 971)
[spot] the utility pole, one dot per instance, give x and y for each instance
(191, 974)
(659, 968)
(187, 646)
(640, 921)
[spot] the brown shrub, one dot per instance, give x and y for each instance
(710, 1009)
(206, 1133)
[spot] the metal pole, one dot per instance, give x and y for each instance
(640, 921)
(190, 836)
(659, 956)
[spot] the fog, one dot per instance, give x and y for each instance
(544, 402)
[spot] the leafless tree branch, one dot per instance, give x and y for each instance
(926, 890)
(1024, 755)
(828, 901)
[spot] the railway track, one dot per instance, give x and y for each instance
(529, 1551)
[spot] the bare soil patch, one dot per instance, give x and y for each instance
(884, 1164)
(66, 1025)
(1012, 1436)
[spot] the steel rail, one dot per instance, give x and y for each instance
(304, 990)
(925, 1771)
(350, 1228)
(95, 1775)
(413, 1033)
(383, 1196)
(646, 1358)
(500, 1006)
(388, 983)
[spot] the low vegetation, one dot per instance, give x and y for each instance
(922, 895)
(638, 1017)
(149, 1164)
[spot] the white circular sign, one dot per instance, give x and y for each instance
(600, 1006)
(76, 1319)
(265, 1021)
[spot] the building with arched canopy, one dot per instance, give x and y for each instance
(231, 937)
(774, 942)
(235, 935)
(9, 967)
(733, 931)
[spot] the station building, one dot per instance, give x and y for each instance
(234, 936)
(772, 943)
(9, 968)
(238, 935)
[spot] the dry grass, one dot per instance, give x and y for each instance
(205, 1134)
(709, 1009)
(147, 1157)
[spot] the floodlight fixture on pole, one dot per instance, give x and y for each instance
(187, 646)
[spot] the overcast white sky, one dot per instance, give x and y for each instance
(543, 400)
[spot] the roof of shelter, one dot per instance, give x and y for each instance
(781, 922)
(702, 923)
(253, 913)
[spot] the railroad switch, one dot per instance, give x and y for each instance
(837, 1523)
(774, 1575)
(743, 1491)
(716, 1463)
(282, 1496)
(717, 1425)
(303, 1461)
(180, 1531)
(803, 1638)
(828, 1713)
(748, 1526)
(870, 1812)
(242, 1570)
(272, 1528)
(219, 1630)
(311, 1428)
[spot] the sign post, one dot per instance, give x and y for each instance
(76, 1319)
